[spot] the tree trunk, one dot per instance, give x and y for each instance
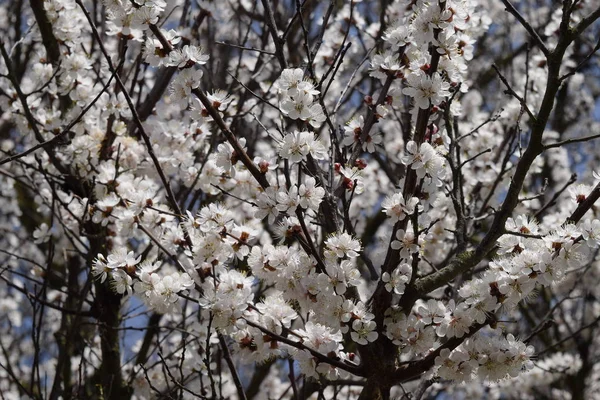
(375, 390)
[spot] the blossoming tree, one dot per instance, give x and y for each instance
(299, 199)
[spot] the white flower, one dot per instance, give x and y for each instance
(297, 145)
(425, 161)
(288, 200)
(397, 37)
(353, 130)
(343, 245)
(187, 57)
(590, 230)
(317, 116)
(121, 282)
(383, 65)
(226, 156)
(153, 52)
(42, 234)
(289, 80)
(181, 87)
(395, 207)
(522, 224)
(310, 195)
(364, 332)
(319, 337)
(405, 243)
(343, 275)
(100, 269)
(219, 99)
(267, 205)
(144, 16)
(398, 278)
(417, 156)
(432, 312)
(580, 192)
(298, 107)
(456, 322)
(426, 90)
(276, 312)
(351, 178)
(74, 64)
(121, 258)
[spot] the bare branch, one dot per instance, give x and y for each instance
(538, 40)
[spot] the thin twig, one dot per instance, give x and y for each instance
(234, 374)
(277, 40)
(570, 141)
(538, 40)
(551, 202)
(237, 46)
(509, 90)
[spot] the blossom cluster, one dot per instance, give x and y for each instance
(224, 207)
(299, 97)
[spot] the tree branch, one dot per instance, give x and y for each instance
(538, 40)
